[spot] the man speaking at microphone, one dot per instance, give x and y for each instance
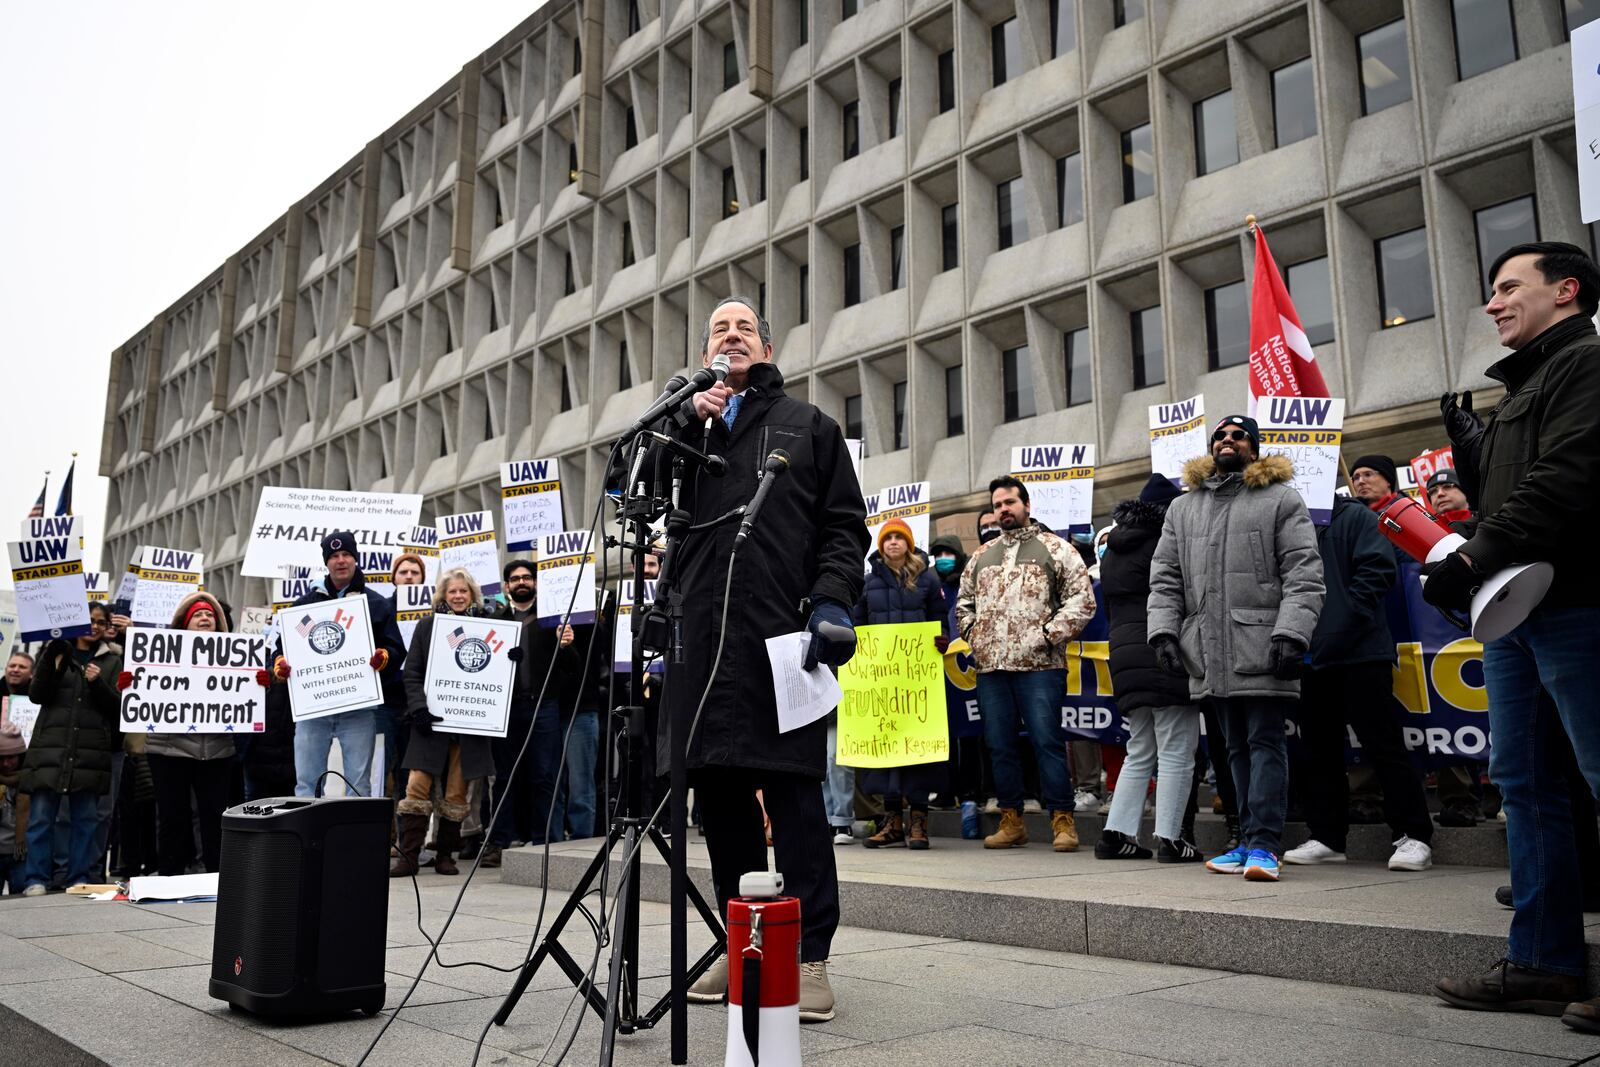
(802, 565)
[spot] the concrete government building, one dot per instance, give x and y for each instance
(973, 224)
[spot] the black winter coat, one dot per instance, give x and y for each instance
(1136, 679)
(1358, 569)
(269, 755)
(809, 542)
(77, 731)
(431, 751)
(1538, 463)
(384, 629)
(885, 599)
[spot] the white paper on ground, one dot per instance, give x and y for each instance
(175, 887)
(802, 696)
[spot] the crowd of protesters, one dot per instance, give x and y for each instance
(1228, 609)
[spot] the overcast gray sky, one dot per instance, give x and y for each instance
(145, 143)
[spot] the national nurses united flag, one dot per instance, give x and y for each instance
(1281, 360)
(304, 627)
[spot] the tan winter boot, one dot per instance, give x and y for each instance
(893, 833)
(412, 829)
(1012, 832)
(917, 837)
(1065, 828)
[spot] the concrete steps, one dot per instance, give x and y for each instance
(1483, 845)
(1354, 924)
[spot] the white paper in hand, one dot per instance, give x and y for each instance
(802, 696)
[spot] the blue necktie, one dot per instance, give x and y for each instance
(731, 412)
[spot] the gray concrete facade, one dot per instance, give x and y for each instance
(515, 267)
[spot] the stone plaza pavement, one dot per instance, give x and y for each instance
(85, 983)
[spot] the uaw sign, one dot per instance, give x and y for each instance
(1060, 481)
(467, 541)
(1307, 429)
(1177, 435)
(566, 578)
(530, 498)
(166, 576)
(48, 576)
(329, 647)
(911, 503)
(193, 682)
(469, 677)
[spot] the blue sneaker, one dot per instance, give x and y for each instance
(1229, 862)
(1263, 866)
(969, 820)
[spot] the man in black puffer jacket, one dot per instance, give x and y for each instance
(1352, 658)
(1162, 720)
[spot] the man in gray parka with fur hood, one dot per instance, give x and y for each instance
(1235, 591)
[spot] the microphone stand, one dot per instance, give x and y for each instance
(619, 1005)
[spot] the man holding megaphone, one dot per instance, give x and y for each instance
(1534, 475)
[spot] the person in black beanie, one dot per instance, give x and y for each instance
(1162, 720)
(1374, 480)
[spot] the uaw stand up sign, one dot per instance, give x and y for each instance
(329, 649)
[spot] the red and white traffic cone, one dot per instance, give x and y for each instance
(763, 975)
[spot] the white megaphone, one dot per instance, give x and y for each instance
(1503, 600)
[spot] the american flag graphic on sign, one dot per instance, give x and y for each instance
(457, 636)
(304, 627)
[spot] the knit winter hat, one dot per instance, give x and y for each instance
(1159, 490)
(410, 557)
(200, 604)
(338, 541)
(1245, 423)
(11, 743)
(897, 526)
(1383, 465)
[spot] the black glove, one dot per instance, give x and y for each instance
(1168, 658)
(1451, 583)
(514, 653)
(833, 635)
(423, 722)
(1461, 423)
(1286, 660)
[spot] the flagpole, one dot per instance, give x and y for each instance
(1250, 228)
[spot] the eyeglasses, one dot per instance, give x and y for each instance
(1230, 435)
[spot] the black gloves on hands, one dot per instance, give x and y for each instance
(833, 635)
(1451, 583)
(423, 721)
(1286, 660)
(1461, 423)
(1168, 658)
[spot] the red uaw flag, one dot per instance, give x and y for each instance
(1281, 360)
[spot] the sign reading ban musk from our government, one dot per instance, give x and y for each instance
(470, 674)
(290, 523)
(192, 682)
(329, 649)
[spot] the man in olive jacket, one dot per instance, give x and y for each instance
(1537, 472)
(1235, 590)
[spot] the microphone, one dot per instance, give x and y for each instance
(669, 400)
(777, 462)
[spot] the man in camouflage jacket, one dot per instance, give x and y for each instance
(1022, 598)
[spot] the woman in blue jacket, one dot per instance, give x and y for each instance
(901, 588)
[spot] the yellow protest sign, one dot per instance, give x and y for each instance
(893, 710)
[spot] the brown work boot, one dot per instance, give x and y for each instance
(1583, 1015)
(1011, 833)
(918, 836)
(408, 841)
(1065, 829)
(449, 841)
(893, 833)
(1507, 987)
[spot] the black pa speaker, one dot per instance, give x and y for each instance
(303, 906)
